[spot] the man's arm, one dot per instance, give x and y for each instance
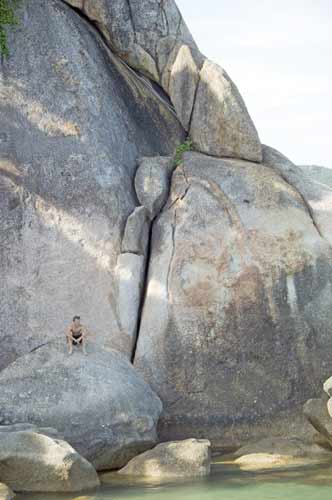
(69, 334)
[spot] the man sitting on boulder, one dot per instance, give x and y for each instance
(76, 334)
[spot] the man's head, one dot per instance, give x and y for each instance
(77, 320)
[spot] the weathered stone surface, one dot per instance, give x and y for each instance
(5, 492)
(152, 182)
(238, 305)
(136, 234)
(316, 196)
(46, 431)
(97, 402)
(152, 37)
(191, 457)
(129, 273)
(74, 121)
(32, 462)
(318, 173)
(184, 78)
(221, 125)
(136, 28)
(317, 414)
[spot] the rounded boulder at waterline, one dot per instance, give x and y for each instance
(30, 461)
(98, 402)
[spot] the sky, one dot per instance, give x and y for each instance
(279, 54)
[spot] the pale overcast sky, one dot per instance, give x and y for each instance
(279, 54)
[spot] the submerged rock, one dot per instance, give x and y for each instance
(97, 402)
(191, 457)
(30, 461)
(280, 452)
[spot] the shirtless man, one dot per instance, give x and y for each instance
(76, 335)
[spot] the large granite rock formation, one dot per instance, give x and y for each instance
(226, 310)
(98, 403)
(238, 304)
(74, 121)
(152, 37)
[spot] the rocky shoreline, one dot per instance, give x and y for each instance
(61, 424)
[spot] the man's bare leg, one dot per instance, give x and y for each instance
(70, 346)
(83, 346)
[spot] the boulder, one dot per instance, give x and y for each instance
(74, 120)
(221, 125)
(5, 492)
(184, 78)
(129, 272)
(238, 302)
(317, 414)
(97, 402)
(279, 452)
(263, 461)
(30, 461)
(288, 447)
(152, 182)
(136, 235)
(152, 37)
(191, 457)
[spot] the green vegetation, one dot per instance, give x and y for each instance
(187, 145)
(7, 18)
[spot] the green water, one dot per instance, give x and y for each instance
(226, 482)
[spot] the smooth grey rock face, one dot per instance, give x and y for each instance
(129, 274)
(151, 36)
(98, 402)
(136, 234)
(184, 78)
(238, 305)
(190, 457)
(74, 121)
(221, 125)
(152, 182)
(318, 173)
(32, 462)
(316, 196)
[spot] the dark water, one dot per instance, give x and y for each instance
(226, 482)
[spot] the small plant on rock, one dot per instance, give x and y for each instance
(187, 145)
(7, 18)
